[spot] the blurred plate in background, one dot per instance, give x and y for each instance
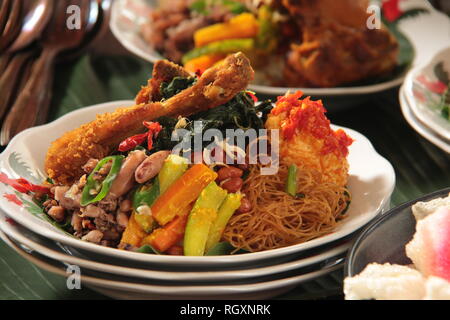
(421, 32)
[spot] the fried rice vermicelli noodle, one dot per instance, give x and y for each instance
(278, 219)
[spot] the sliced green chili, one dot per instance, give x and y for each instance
(291, 184)
(146, 195)
(87, 196)
(220, 47)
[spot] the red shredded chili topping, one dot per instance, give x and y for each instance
(132, 142)
(153, 129)
(309, 116)
(252, 95)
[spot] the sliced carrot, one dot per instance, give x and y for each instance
(244, 25)
(134, 233)
(164, 238)
(184, 190)
(204, 62)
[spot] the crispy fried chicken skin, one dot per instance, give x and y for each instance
(336, 46)
(163, 71)
(98, 138)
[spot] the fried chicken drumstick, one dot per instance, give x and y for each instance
(100, 137)
(336, 47)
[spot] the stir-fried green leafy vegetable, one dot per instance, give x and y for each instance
(177, 85)
(241, 112)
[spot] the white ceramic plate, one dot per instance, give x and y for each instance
(418, 126)
(371, 182)
(130, 290)
(428, 33)
(424, 92)
(52, 251)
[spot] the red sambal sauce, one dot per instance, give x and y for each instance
(309, 116)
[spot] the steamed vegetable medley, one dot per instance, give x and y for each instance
(201, 33)
(145, 198)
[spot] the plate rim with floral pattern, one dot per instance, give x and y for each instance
(425, 89)
(418, 126)
(24, 236)
(159, 292)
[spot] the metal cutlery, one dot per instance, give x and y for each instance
(12, 26)
(10, 79)
(4, 14)
(35, 20)
(32, 104)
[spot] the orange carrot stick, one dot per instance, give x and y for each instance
(134, 233)
(202, 63)
(163, 238)
(184, 190)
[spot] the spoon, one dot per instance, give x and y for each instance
(11, 77)
(37, 16)
(33, 24)
(4, 61)
(94, 23)
(4, 13)
(12, 26)
(31, 107)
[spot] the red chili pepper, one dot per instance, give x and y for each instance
(132, 142)
(254, 98)
(23, 185)
(153, 129)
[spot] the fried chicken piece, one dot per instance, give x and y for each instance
(350, 13)
(98, 138)
(163, 71)
(336, 46)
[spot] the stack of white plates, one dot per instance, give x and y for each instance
(132, 275)
(423, 97)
